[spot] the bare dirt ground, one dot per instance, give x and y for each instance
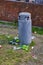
(38, 48)
(8, 30)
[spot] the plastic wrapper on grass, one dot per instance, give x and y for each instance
(25, 47)
(17, 40)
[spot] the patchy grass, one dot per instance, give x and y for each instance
(8, 56)
(38, 30)
(32, 44)
(4, 38)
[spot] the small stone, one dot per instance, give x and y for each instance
(35, 32)
(33, 37)
(35, 57)
(32, 47)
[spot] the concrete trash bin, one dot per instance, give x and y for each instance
(24, 28)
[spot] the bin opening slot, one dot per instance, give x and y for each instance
(22, 17)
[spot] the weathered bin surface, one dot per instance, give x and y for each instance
(24, 28)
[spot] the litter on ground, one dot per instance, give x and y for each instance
(32, 47)
(35, 32)
(34, 57)
(33, 37)
(16, 48)
(16, 38)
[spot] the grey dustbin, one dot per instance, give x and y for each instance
(24, 28)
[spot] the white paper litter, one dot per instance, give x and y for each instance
(15, 38)
(16, 48)
(32, 47)
(33, 37)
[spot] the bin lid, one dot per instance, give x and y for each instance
(25, 14)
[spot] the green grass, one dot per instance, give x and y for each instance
(38, 30)
(4, 39)
(13, 23)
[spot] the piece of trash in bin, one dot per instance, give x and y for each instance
(33, 37)
(16, 48)
(0, 46)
